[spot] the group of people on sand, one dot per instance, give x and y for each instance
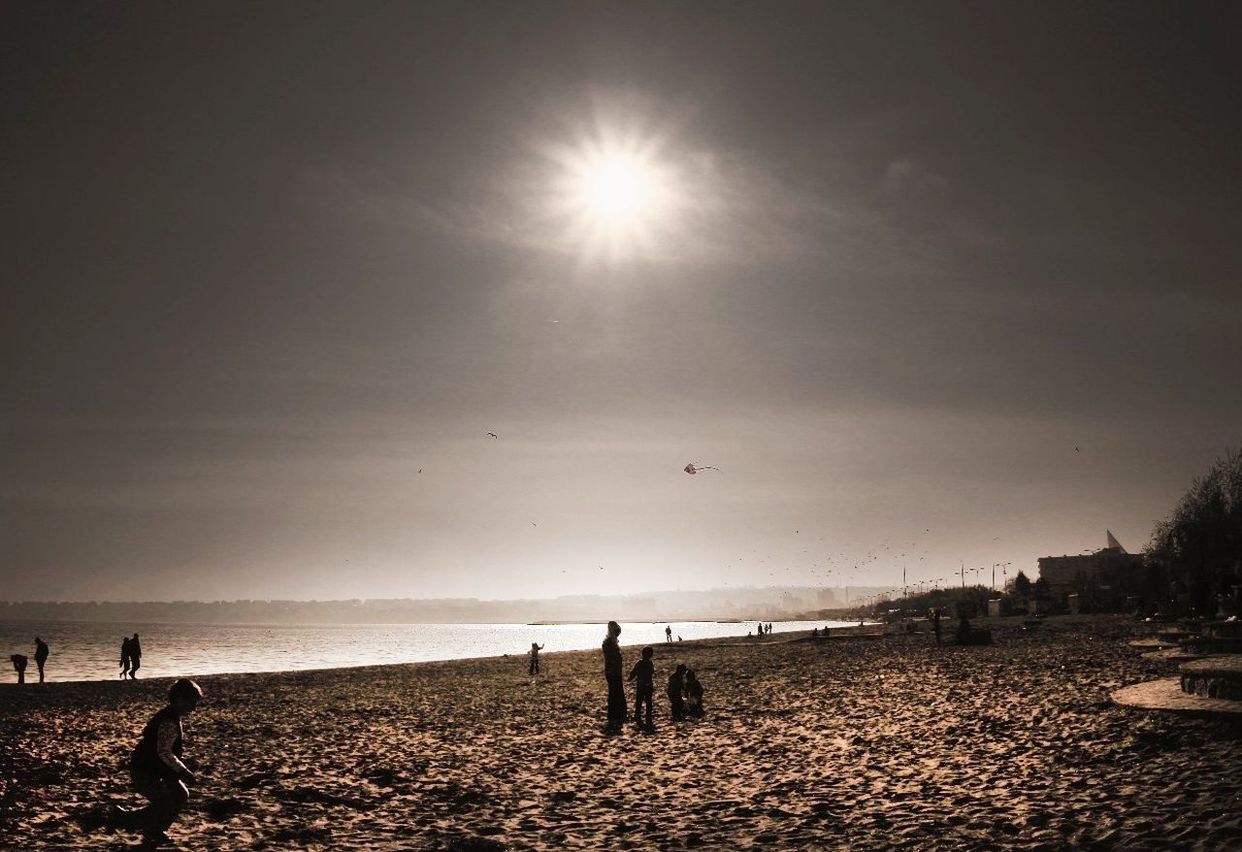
(131, 659)
(764, 629)
(685, 692)
(21, 661)
(160, 772)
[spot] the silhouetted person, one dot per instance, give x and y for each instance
(643, 674)
(694, 695)
(668, 633)
(156, 769)
(126, 657)
(41, 652)
(535, 648)
(935, 620)
(677, 693)
(135, 657)
(19, 665)
(815, 633)
(612, 674)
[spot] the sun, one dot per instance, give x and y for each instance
(617, 190)
(614, 196)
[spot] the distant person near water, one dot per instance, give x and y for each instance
(41, 655)
(535, 648)
(19, 665)
(668, 633)
(643, 674)
(125, 657)
(694, 695)
(677, 693)
(612, 675)
(135, 657)
(156, 768)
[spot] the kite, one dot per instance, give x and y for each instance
(692, 468)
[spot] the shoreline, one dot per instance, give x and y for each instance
(868, 745)
(8, 678)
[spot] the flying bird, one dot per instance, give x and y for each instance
(692, 468)
(492, 435)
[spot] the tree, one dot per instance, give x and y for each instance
(1042, 592)
(1200, 543)
(1022, 585)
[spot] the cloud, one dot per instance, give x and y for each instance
(905, 177)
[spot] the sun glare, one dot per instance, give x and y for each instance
(617, 189)
(615, 199)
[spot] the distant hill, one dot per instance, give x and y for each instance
(766, 603)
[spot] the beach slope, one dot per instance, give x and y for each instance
(846, 743)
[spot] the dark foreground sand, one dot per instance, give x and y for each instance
(848, 744)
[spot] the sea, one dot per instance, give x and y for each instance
(83, 651)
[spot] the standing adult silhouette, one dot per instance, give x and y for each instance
(125, 657)
(41, 653)
(613, 676)
(135, 657)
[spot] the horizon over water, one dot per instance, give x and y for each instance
(90, 651)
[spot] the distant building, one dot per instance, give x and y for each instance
(1067, 574)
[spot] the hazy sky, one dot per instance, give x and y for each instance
(958, 280)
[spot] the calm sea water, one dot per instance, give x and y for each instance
(91, 650)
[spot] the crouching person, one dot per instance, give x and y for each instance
(156, 767)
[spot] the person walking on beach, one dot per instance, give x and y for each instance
(125, 657)
(935, 620)
(156, 768)
(643, 674)
(535, 648)
(668, 633)
(677, 693)
(19, 665)
(41, 653)
(135, 657)
(612, 674)
(694, 695)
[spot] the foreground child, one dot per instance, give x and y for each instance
(156, 767)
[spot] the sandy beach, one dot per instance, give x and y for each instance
(850, 743)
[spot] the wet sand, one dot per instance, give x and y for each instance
(841, 744)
